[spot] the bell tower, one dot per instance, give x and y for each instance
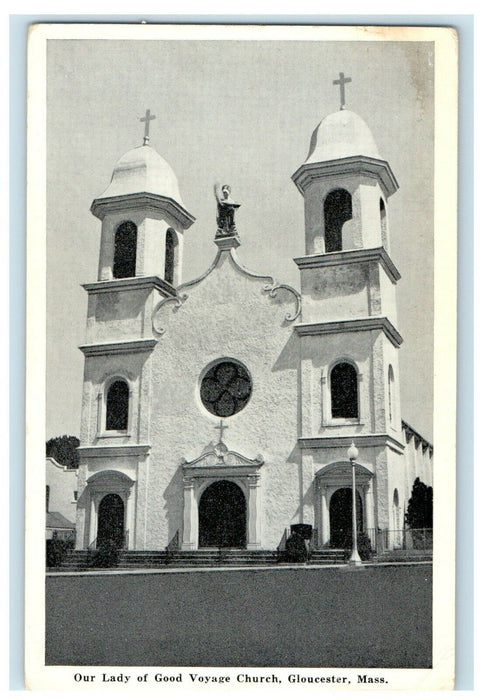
(140, 264)
(349, 379)
(143, 217)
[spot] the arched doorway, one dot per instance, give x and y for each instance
(110, 522)
(222, 516)
(340, 514)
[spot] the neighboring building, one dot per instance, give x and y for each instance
(219, 411)
(60, 500)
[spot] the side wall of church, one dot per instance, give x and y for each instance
(397, 495)
(419, 462)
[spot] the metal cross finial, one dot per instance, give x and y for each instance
(221, 427)
(146, 119)
(342, 81)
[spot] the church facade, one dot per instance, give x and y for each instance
(218, 411)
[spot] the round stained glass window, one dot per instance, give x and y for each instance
(226, 388)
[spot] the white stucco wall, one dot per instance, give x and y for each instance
(227, 315)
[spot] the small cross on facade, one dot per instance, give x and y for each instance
(221, 427)
(146, 119)
(341, 82)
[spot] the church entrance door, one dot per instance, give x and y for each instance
(222, 516)
(110, 523)
(340, 513)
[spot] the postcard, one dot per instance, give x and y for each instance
(241, 343)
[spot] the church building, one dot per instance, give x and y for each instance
(218, 411)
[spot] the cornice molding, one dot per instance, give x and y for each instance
(355, 325)
(372, 440)
(113, 450)
(335, 471)
(361, 165)
(357, 255)
(142, 200)
(120, 348)
(410, 433)
(131, 284)
(221, 456)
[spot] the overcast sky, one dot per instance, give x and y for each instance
(239, 112)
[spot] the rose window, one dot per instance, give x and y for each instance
(226, 388)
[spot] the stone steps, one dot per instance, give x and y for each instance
(152, 559)
(328, 556)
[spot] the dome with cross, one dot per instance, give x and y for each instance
(341, 135)
(142, 169)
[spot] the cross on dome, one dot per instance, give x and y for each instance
(148, 117)
(341, 82)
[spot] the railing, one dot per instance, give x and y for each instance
(409, 540)
(173, 545)
(124, 544)
(283, 542)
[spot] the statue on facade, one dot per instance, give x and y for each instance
(226, 211)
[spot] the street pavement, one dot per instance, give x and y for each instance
(366, 617)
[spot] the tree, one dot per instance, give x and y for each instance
(420, 506)
(64, 450)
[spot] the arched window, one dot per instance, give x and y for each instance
(337, 210)
(169, 255)
(383, 215)
(117, 406)
(390, 384)
(343, 391)
(125, 250)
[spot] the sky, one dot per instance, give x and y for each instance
(240, 112)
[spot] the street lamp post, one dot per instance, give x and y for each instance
(353, 454)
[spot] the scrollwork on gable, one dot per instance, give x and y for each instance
(272, 290)
(178, 301)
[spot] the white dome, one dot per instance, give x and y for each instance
(341, 135)
(142, 169)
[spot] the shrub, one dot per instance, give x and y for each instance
(364, 546)
(419, 514)
(295, 549)
(107, 556)
(64, 450)
(55, 551)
